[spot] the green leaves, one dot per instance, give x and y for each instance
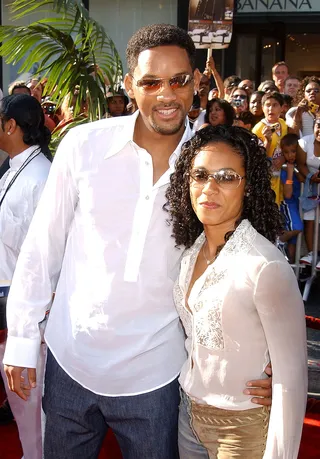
(70, 49)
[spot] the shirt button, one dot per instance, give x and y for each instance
(147, 197)
(147, 163)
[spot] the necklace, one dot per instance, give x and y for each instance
(209, 262)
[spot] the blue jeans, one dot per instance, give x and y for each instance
(146, 425)
(190, 446)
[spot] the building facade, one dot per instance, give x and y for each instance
(264, 32)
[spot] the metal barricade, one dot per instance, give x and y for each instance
(297, 266)
(309, 282)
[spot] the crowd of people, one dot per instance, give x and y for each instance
(148, 293)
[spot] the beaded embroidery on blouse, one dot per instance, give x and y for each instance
(206, 311)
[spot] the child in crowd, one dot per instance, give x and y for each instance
(245, 120)
(270, 130)
(290, 179)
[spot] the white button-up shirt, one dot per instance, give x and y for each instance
(100, 240)
(18, 205)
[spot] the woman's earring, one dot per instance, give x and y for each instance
(9, 133)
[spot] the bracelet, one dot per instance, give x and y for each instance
(289, 182)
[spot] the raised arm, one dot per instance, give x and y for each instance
(211, 69)
(40, 261)
(281, 310)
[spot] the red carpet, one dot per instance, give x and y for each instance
(10, 447)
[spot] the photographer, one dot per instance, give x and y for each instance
(300, 119)
(239, 99)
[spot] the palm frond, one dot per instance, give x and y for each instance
(69, 47)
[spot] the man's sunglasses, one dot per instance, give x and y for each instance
(154, 85)
(239, 96)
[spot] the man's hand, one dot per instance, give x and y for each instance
(17, 382)
(267, 134)
(261, 388)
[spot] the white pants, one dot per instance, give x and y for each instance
(28, 413)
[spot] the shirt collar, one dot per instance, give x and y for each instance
(17, 161)
(186, 136)
(123, 135)
(125, 132)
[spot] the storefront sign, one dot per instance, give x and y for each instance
(210, 23)
(277, 6)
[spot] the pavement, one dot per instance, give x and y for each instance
(312, 308)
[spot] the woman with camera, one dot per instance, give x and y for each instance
(300, 119)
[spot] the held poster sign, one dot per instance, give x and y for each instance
(210, 23)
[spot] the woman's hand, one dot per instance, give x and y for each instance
(302, 106)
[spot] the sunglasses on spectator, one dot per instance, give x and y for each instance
(239, 96)
(154, 85)
(316, 90)
(225, 178)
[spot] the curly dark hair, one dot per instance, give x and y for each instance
(225, 106)
(259, 205)
(300, 93)
(155, 35)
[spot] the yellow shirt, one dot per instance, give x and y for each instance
(274, 152)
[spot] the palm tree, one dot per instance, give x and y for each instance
(69, 48)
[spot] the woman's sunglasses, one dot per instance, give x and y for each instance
(225, 178)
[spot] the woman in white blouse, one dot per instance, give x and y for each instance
(238, 300)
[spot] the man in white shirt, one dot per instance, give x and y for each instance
(101, 241)
(22, 136)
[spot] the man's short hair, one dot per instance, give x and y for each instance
(232, 81)
(155, 35)
(272, 95)
(277, 65)
(18, 85)
(292, 77)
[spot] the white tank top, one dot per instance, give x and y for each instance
(307, 145)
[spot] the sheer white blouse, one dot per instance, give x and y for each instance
(246, 309)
